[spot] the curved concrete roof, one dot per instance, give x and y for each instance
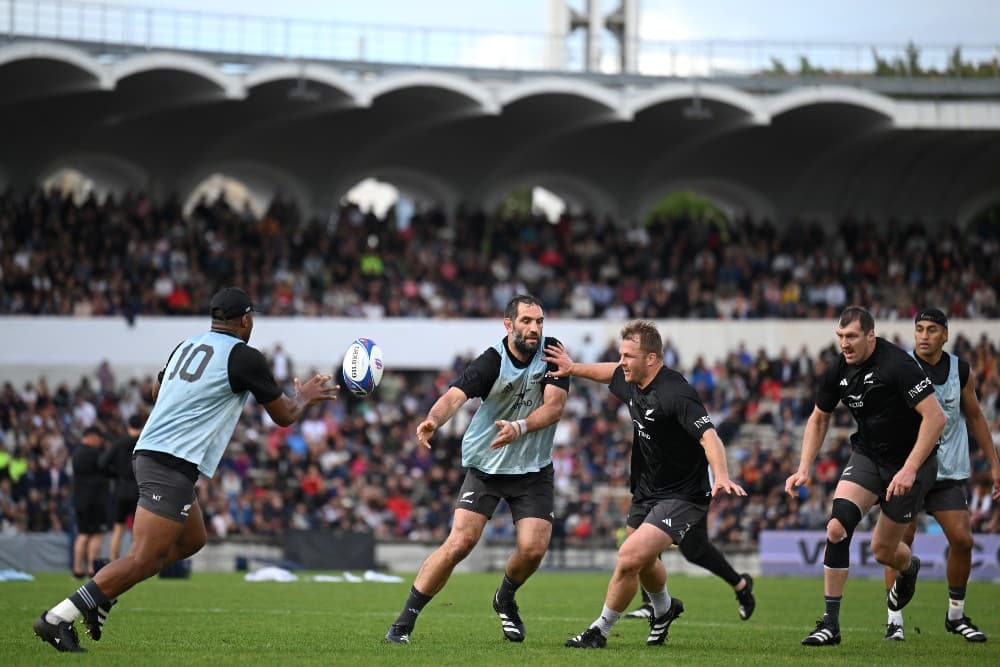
(83, 61)
(425, 79)
(285, 71)
(671, 92)
(181, 62)
(813, 95)
(615, 145)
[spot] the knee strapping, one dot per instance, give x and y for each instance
(838, 554)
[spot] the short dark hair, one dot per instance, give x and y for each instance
(650, 341)
(510, 312)
(859, 315)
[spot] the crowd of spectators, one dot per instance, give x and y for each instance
(354, 464)
(133, 256)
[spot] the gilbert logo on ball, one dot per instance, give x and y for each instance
(363, 366)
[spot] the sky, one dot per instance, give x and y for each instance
(678, 37)
(927, 21)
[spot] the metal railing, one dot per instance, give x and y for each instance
(117, 30)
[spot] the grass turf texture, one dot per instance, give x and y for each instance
(219, 619)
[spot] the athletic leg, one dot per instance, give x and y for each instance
(850, 504)
(894, 624)
(466, 529)
(80, 555)
(117, 532)
(637, 554)
(533, 537)
(957, 526)
(94, 543)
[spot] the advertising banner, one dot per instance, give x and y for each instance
(800, 553)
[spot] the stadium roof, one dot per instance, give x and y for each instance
(164, 121)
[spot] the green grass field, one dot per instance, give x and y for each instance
(219, 619)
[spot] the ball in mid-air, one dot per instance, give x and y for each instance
(363, 366)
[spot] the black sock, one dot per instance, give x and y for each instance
(832, 614)
(414, 605)
(956, 592)
(507, 588)
(645, 596)
(712, 560)
(88, 597)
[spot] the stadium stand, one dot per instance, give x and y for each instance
(353, 464)
(139, 257)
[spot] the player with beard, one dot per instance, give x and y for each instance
(520, 407)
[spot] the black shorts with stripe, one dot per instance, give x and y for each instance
(875, 477)
(530, 495)
(674, 516)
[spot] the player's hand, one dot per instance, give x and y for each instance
(996, 484)
(507, 433)
(901, 483)
(316, 389)
(556, 354)
(795, 481)
(424, 432)
(727, 486)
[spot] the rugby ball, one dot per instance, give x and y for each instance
(362, 366)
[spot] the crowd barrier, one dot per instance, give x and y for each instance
(64, 348)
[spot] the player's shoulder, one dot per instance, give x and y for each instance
(669, 375)
(888, 353)
(492, 353)
(243, 354)
(488, 359)
(671, 381)
(963, 365)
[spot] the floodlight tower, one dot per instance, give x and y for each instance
(623, 23)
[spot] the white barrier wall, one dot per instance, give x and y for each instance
(64, 348)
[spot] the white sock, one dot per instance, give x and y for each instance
(607, 620)
(956, 609)
(64, 612)
(661, 602)
(895, 618)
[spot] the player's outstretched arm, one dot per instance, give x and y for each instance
(979, 428)
(443, 409)
(286, 410)
(816, 428)
(566, 367)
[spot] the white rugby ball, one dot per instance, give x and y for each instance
(363, 366)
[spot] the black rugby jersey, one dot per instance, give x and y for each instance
(669, 420)
(880, 393)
